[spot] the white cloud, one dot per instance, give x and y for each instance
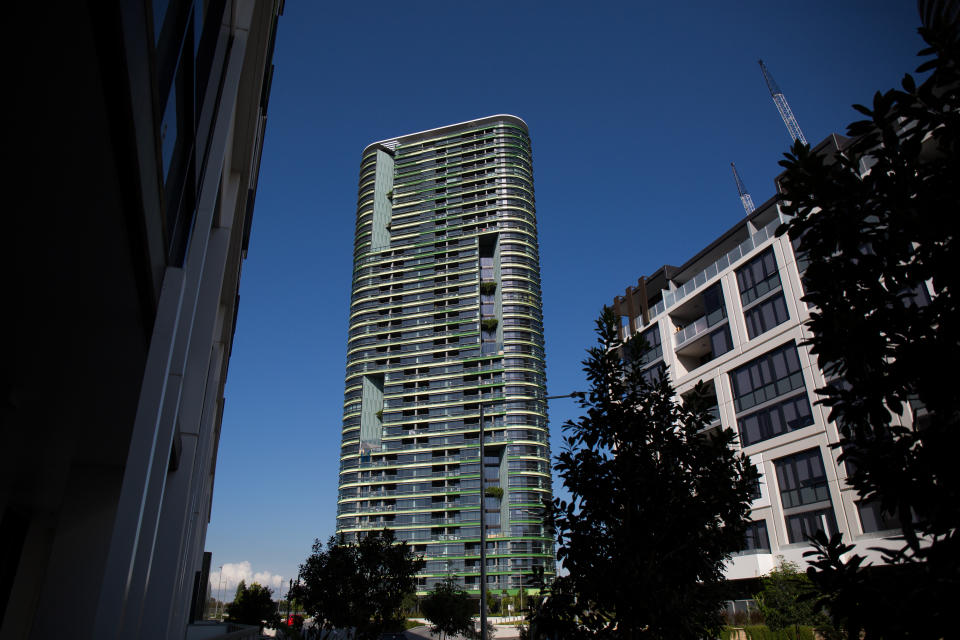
(234, 572)
(268, 579)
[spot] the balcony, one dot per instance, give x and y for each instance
(702, 332)
(691, 331)
(671, 298)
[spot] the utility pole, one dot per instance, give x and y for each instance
(782, 105)
(745, 198)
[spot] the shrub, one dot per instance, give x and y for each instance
(489, 324)
(763, 632)
(494, 492)
(488, 288)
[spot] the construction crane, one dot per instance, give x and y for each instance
(782, 106)
(745, 198)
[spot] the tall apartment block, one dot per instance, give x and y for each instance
(446, 326)
(145, 124)
(732, 317)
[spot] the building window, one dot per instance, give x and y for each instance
(720, 342)
(802, 526)
(714, 308)
(805, 495)
(755, 493)
(644, 348)
(774, 420)
(873, 518)
(652, 374)
(802, 260)
(766, 315)
(654, 350)
(758, 277)
(802, 478)
(756, 538)
(770, 376)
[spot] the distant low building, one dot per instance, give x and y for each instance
(138, 129)
(732, 317)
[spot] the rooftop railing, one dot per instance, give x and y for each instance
(671, 298)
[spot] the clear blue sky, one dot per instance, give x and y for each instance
(636, 110)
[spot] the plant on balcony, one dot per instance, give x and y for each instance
(494, 492)
(489, 324)
(488, 287)
(390, 194)
(380, 414)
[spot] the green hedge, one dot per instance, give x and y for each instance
(762, 632)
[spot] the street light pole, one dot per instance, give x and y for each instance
(572, 394)
(483, 519)
(219, 606)
(483, 533)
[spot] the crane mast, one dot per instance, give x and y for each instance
(745, 198)
(782, 105)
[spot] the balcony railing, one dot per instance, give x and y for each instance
(692, 330)
(670, 298)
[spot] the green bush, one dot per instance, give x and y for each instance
(494, 492)
(763, 632)
(488, 287)
(489, 324)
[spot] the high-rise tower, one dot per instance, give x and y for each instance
(446, 326)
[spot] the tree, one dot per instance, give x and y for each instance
(874, 240)
(357, 586)
(241, 587)
(656, 508)
(449, 609)
(788, 599)
(253, 605)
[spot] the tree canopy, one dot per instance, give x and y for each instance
(656, 508)
(877, 224)
(357, 586)
(253, 605)
(449, 609)
(788, 599)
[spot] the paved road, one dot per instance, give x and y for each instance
(503, 632)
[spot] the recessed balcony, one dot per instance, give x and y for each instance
(702, 332)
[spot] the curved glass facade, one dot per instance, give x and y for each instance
(446, 320)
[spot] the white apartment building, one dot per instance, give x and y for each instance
(732, 317)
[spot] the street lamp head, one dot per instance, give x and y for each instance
(580, 395)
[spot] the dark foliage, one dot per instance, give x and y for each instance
(253, 605)
(873, 240)
(657, 507)
(360, 586)
(449, 609)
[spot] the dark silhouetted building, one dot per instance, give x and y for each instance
(137, 137)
